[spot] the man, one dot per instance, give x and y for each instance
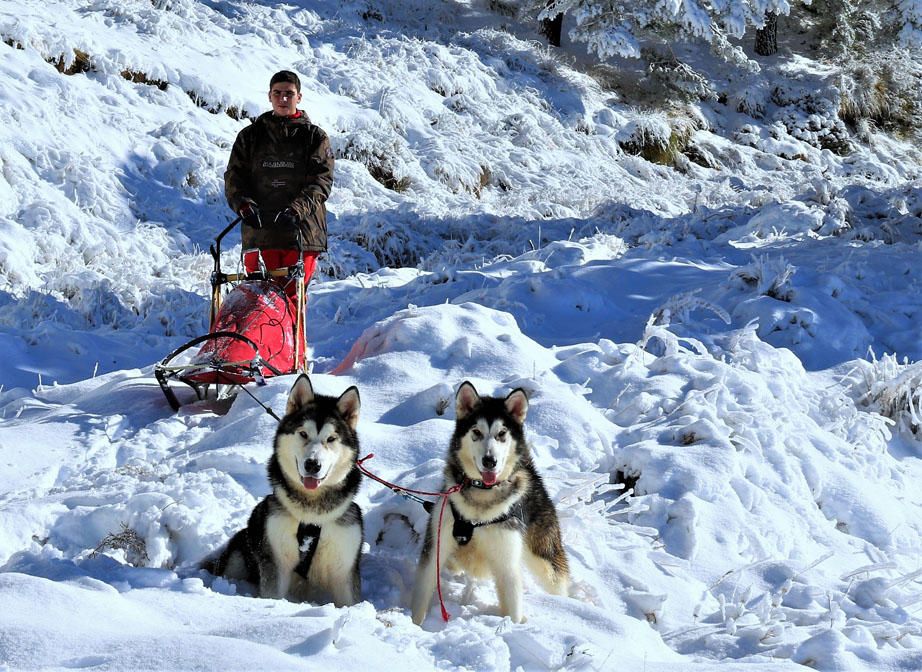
(278, 179)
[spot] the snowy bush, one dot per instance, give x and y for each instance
(752, 99)
(812, 117)
(381, 151)
(394, 241)
(894, 389)
(656, 136)
(911, 32)
(677, 77)
(128, 542)
(836, 218)
(72, 63)
(344, 258)
(843, 27)
(891, 216)
(678, 308)
(882, 92)
(620, 27)
(766, 276)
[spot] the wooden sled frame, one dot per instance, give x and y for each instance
(240, 372)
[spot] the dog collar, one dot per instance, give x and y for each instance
(480, 485)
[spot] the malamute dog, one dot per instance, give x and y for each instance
(502, 516)
(304, 540)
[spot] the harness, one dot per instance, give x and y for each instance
(308, 536)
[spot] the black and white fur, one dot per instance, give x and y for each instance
(314, 480)
(507, 512)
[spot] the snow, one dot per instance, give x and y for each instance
(722, 363)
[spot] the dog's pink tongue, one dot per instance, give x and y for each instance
(489, 477)
(311, 483)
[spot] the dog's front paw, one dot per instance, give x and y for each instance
(419, 614)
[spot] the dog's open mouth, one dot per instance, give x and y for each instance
(488, 477)
(310, 482)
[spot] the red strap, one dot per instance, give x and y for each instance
(394, 486)
(438, 538)
(438, 551)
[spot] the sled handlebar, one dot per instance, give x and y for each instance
(216, 246)
(217, 278)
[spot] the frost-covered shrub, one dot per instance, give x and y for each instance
(748, 135)
(894, 389)
(461, 169)
(127, 541)
(677, 77)
(382, 152)
(767, 276)
(889, 216)
(843, 27)
(865, 93)
(345, 258)
(752, 99)
(233, 111)
(882, 92)
(392, 245)
(646, 135)
(620, 28)
(656, 136)
(910, 35)
(820, 131)
(836, 218)
(139, 77)
(394, 241)
(701, 154)
(678, 308)
(96, 300)
(812, 117)
(72, 63)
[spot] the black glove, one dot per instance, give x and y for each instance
(250, 214)
(287, 218)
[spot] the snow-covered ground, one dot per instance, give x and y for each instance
(734, 342)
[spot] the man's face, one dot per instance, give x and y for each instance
(284, 97)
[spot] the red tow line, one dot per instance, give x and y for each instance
(400, 490)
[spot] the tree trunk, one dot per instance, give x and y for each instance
(767, 36)
(551, 28)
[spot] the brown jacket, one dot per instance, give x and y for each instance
(280, 162)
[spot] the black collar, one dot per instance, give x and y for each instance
(480, 485)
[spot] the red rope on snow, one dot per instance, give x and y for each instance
(400, 490)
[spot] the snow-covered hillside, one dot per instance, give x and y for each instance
(731, 335)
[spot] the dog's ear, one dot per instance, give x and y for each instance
(348, 406)
(302, 393)
(466, 400)
(517, 404)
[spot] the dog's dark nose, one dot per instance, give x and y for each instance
(311, 467)
(489, 461)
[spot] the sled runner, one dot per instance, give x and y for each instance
(255, 331)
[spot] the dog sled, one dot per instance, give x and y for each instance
(256, 331)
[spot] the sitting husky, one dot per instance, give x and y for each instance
(501, 516)
(305, 538)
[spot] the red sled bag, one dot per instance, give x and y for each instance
(253, 335)
(257, 331)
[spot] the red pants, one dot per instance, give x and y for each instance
(273, 259)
